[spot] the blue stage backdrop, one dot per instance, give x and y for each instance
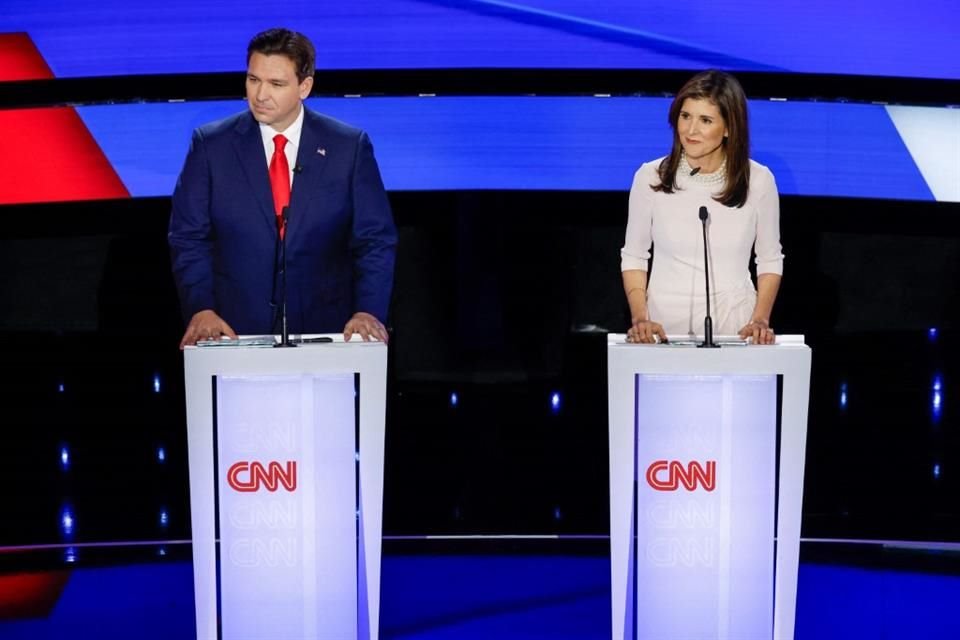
(813, 148)
(883, 38)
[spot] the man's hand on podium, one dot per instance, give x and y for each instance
(206, 325)
(367, 326)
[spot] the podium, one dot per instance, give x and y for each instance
(706, 487)
(286, 488)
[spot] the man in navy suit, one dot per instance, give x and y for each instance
(241, 172)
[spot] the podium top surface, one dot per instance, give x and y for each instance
(790, 355)
(268, 341)
(686, 342)
(255, 355)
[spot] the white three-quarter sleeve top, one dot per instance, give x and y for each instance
(669, 224)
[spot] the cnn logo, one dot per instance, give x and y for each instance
(670, 475)
(252, 476)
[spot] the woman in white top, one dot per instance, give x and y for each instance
(709, 166)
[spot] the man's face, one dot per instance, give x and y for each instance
(273, 91)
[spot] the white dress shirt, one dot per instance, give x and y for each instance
(292, 134)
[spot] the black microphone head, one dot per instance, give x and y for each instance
(703, 214)
(284, 212)
(297, 169)
(695, 171)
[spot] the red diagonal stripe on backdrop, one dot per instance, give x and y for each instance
(48, 154)
(20, 60)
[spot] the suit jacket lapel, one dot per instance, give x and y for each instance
(312, 160)
(249, 147)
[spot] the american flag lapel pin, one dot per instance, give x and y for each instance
(322, 151)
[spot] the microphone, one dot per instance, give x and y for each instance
(693, 172)
(297, 169)
(282, 249)
(707, 321)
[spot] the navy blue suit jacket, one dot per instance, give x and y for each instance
(341, 239)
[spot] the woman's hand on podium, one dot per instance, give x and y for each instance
(759, 332)
(206, 325)
(646, 332)
(367, 326)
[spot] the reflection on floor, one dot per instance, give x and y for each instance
(472, 589)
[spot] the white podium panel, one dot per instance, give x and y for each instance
(276, 489)
(704, 533)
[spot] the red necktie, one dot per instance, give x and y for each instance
(280, 179)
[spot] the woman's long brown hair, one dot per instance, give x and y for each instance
(722, 90)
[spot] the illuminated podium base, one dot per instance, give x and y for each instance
(706, 487)
(286, 521)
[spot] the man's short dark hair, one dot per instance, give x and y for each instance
(285, 42)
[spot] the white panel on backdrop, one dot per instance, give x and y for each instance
(932, 136)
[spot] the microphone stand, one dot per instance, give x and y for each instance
(284, 333)
(707, 321)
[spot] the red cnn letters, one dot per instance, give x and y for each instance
(257, 476)
(677, 475)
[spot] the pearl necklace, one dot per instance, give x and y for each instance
(717, 177)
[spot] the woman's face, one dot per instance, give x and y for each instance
(702, 129)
